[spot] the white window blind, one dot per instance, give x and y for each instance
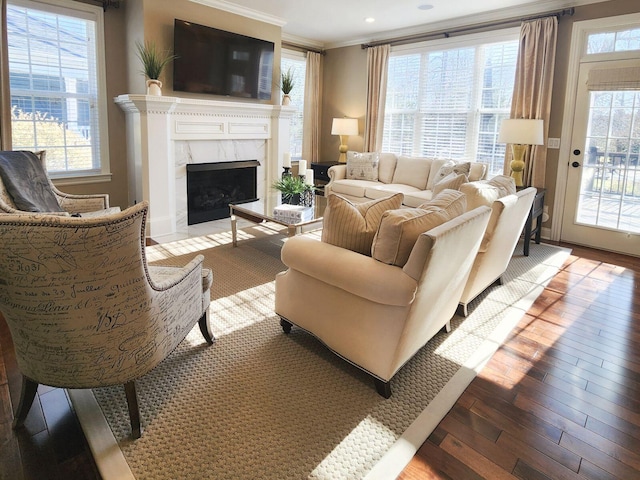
(53, 71)
(298, 64)
(449, 102)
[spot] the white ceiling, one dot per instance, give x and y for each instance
(330, 23)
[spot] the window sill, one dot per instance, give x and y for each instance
(81, 179)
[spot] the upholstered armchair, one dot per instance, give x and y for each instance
(374, 314)
(508, 216)
(83, 307)
(26, 187)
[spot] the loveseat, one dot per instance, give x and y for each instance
(374, 176)
(377, 310)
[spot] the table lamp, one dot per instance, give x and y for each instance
(344, 127)
(520, 133)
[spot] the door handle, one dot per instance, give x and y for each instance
(575, 164)
(577, 152)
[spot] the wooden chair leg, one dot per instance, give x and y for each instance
(134, 411)
(383, 388)
(286, 326)
(27, 395)
(204, 327)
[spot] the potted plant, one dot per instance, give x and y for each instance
(286, 85)
(153, 63)
(292, 187)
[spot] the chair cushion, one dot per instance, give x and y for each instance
(451, 181)
(26, 180)
(353, 226)
(399, 229)
(362, 166)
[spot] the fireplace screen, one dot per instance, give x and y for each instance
(211, 187)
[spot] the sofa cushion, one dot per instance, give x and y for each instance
(415, 199)
(362, 166)
(399, 229)
(26, 180)
(387, 167)
(385, 189)
(412, 171)
(353, 226)
(354, 188)
(451, 181)
(486, 192)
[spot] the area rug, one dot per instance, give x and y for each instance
(262, 404)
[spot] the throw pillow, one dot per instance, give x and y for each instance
(27, 183)
(505, 185)
(450, 167)
(451, 181)
(363, 166)
(399, 229)
(353, 226)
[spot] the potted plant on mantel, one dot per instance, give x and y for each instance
(153, 63)
(292, 187)
(286, 85)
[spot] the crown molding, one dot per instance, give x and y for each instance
(243, 11)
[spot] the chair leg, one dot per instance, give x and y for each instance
(204, 327)
(383, 388)
(286, 326)
(134, 411)
(447, 326)
(27, 395)
(463, 309)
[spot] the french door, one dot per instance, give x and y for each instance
(602, 201)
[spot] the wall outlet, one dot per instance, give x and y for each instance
(553, 142)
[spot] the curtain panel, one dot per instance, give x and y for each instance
(5, 96)
(377, 70)
(532, 89)
(312, 108)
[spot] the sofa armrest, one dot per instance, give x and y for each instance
(350, 271)
(336, 172)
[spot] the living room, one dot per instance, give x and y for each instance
(344, 80)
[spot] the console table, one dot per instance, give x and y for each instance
(537, 209)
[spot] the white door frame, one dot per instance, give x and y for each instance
(577, 54)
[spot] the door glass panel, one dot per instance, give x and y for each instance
(610, 185)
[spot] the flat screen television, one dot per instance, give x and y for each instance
(218, 62)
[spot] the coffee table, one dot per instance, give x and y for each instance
(262, 211)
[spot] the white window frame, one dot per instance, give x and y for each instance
(471, 40)
(96, 14)
(297, 56)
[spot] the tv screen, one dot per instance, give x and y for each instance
(218, 62)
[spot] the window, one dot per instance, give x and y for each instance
(613, 41)
(298, 64)
(55, 77)
(448, 101)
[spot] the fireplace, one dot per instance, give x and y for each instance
(211, 187)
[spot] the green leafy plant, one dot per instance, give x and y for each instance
(290, 186)
(153, 60)
(286, 81)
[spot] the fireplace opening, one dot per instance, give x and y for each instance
(211, 187)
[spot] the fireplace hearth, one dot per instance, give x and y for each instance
(211, 187)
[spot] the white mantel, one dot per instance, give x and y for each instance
(166, 133)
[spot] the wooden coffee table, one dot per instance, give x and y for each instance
(262, 211)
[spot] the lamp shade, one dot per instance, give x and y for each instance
(521, 131)
(344, 126)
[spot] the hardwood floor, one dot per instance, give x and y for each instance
(559, 400)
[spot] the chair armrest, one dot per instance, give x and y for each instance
(164, 278)
(82, 203)
(350, 271)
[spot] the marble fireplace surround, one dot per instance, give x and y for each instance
(164, 134)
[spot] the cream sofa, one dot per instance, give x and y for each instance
(509, 212)
(373, 314)
(412, 176)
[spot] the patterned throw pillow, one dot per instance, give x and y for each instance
(363, 166)
(399, 229)
(353, 226)
(451, 181)
(452, 167)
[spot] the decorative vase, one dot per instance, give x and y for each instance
(286, 99)
(154, 87)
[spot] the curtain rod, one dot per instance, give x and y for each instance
(419, 37)
(300, 48)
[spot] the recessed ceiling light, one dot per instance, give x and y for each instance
(369, 19)
(425, 6)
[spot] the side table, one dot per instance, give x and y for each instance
(321, 174)
(537, 209)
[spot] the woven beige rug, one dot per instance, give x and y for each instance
(262, 404)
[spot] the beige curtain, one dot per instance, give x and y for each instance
(377, 65)
(312, 108)
(5, 99)
(532, 89)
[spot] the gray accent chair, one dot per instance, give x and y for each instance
(83, 307)
(25, 186)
